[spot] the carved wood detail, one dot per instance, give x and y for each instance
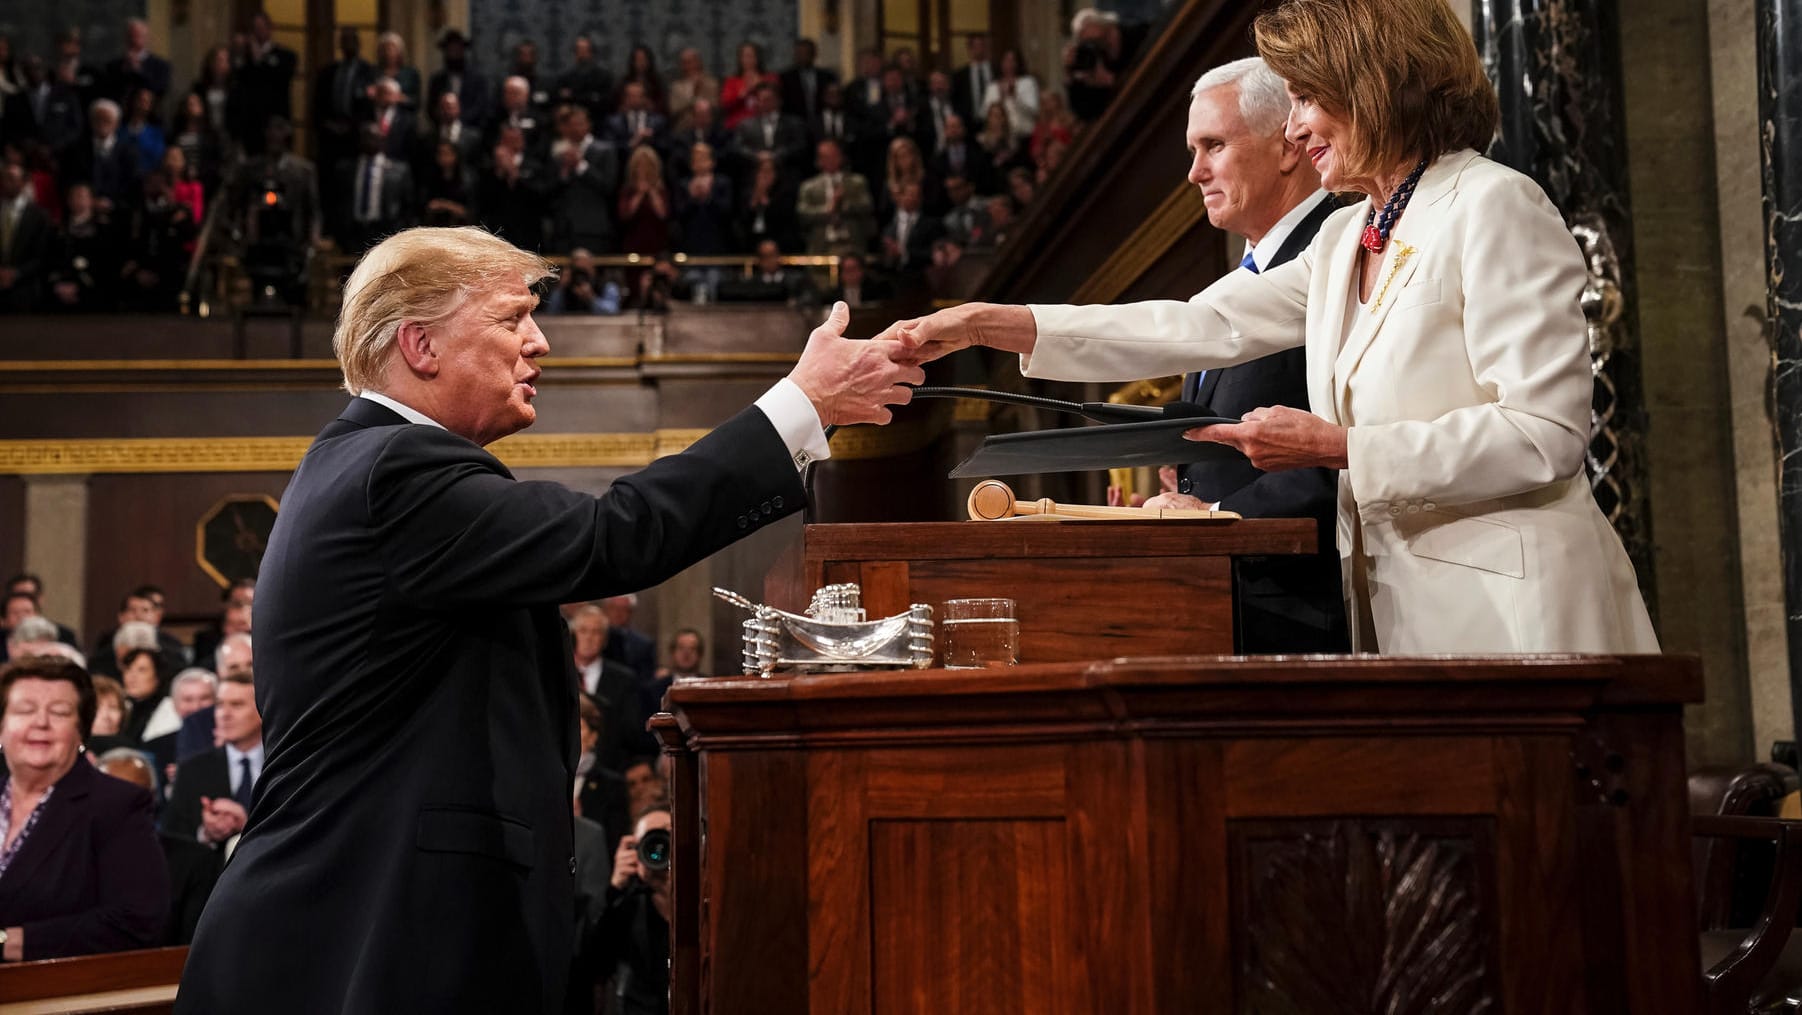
(1365, 917)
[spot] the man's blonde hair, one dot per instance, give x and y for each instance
(421, 275)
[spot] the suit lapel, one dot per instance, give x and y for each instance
(1409, 245)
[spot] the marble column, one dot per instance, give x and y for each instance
(56, 543)
(1556, 68)
(1779, 25)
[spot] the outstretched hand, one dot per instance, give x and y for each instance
(1279, 438)
(854, 382)
(1007, 328)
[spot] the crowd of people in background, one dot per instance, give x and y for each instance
(112, 169)
(178, 720)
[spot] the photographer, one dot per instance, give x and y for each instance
(631, 937)
(1096, 59)
(581, 291)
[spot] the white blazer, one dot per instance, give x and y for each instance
(1022, 109)
(1466, 385)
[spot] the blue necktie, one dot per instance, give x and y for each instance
(245, 783)
(1192, 383)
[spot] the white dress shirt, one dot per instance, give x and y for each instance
(1262, 251)
(234, 764)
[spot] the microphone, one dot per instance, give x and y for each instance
(1099, 412)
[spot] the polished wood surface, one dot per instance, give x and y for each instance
(1218, 834)
(140, 981)
(1081, 589)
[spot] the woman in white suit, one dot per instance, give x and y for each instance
(1448, 364)
(1017, 92)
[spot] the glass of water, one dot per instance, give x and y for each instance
(979, 633)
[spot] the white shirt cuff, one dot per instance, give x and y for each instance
(791, 412)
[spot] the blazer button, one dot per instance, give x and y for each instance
(1394, 509)
(764, 507)
(1184, 485)
(1430, 506)
(572, 866)
(778, 502)
(1414, 509)
(742, 522)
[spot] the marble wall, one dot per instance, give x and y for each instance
(715, 27)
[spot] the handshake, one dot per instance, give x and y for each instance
(855, 382)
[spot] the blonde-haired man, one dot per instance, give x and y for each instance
(409, 844)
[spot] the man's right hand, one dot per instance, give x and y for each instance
(854, 382)
(625, 863)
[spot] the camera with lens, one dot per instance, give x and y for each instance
(1089, 55)
(654, 850)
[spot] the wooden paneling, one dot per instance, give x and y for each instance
(141, 529)
(755, 859)
(138, 981)
(12, 525)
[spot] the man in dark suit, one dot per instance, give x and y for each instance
(263, 82)
(636, 123)
(379, 189)
(138, 67)
(1255, 183)
(582, 183)
(973, 78)
(25, 244)
(212, 792)
(409, 845)
(512, 190)
(517, 110)
(392, 120)
(804, 84)
(105, 159)
(774, 131)
(339, 102)
(586, 82)
(908, 237)
(473, 90)
(46, 109)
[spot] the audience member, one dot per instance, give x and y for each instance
(703, 128)
(1005, 150)
(856, 288)
(582, 290)
(381, 194)
(898, 115)
(997, 219)
(803, 83)
(138, 67)
(341, 90)
(773, 131)
(156, 260)
(198, 730)
(1096, 58)
(80, 871)
(236, 600)
(903, 166)
(644, 205)
(11, 81)
(586, 83)
(110, 708)
(516, 110)
(513, 191)
(73, 70)
(192, 689)
(637, 123)
(613, 686)
(970, 84)
(448, 189)
(26, 244)
(225, 107)
(143, 605)
(771, 280)
(525, 65)
(264, 81)
(139, 674)
(967, 211)
(692, 84)
(937, 109)
(457, 75)
(835, 207)
(769, 208)
(601, 793)
(276, 198)
(36, 636)
(1021, 187)
(645, 785)
(391, 62)
(686, 649)
(1017, 93)
(202, 146)
(641, 70)
(393, 121)
(212, 795)
(447, 127)
(45, 109)
(104, 159)
(907, 239)
(584, 176)
(32, 585)
(703, 206)
(962, 156)
(834, 121)
(1056, 125)
(626, 643)
(738, 93)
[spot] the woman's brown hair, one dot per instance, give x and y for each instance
(1403, 73)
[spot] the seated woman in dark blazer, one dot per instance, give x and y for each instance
(80, 868)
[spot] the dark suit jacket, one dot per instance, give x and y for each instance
(204, 775)
(473, 92)
(264, 83)
(794, 92)
(153, 74)
(61, 121)
(91, 876)
(410, 844)
(115, 176)
(633, 648)
(1285, 604)
(29, 254)
(582, 203)
(965, 97)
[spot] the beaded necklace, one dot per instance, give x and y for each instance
(1376, 227)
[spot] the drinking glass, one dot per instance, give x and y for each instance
(979, 633)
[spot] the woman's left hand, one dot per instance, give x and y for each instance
(1280, 438)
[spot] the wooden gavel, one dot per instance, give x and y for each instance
(993, 500)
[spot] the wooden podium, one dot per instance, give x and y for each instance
(1327, 835)
(1081, 589)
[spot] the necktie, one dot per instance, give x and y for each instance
(345, 99)
(245, 783)
(1192, 383)
(769, 132)
(367, 203)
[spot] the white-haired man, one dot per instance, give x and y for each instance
(104, 159)
(409, 844)
(1096, 58)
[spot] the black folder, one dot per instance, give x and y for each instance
(1152, 436)
(1078, 449)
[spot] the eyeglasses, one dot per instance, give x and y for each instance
(59, 712)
